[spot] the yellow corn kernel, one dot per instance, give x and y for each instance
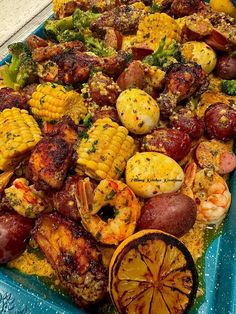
(162, 25)
(105, 152)
(52, 101)
(19, 133)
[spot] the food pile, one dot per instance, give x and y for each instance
(116, 134)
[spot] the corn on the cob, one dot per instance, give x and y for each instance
(104, 153)
(162, 25)
(19, 133)
(52, 101)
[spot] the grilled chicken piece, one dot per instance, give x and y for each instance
(74, 256)
(124, 19)
(49, 163)
(65, 129)
(75, 66)
(9, 98)
(181, 82)
(114, 65)
(64, 200)
(45, 53)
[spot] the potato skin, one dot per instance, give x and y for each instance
(226, 67)
(200, 53)
(138, 111)
(173, 143)
(174, 213)
(151, 173)
(220, 122)
(14, 232)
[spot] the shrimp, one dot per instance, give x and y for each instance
(119, 196)
(25, 200)
(190, 173)
(210, 192)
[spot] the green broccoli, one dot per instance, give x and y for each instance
(155, 8)
(22, 70)
(53, 28)
(83, 20)
(228, 87)
(70, 35)
(163, 57)
(98, 47)
(75, 28)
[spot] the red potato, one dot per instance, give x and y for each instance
(186, 121)
(220, 122)
(14, 232)
(174, 213)
(133, 76)
(103, 90)
(173, 143)
(226, 67)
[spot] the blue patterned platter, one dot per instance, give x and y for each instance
(21, 294)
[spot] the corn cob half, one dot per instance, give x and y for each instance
(52, 101)
(19, 133)
(106, 150)
(162, 25)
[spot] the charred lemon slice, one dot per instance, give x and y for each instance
(152, 272)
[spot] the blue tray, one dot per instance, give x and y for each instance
(21, 294)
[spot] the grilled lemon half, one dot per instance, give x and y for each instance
(152, 272)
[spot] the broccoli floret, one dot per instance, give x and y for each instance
(98, 47)
(53, 28)
(22, 70)
(70, 35)
(83, 20)
(163, 57)
(155, 8)
(76, 28)
(229, 87)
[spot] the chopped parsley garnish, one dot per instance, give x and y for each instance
(87, 122)
(93, 148)
(110, 196)
(118, 171)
